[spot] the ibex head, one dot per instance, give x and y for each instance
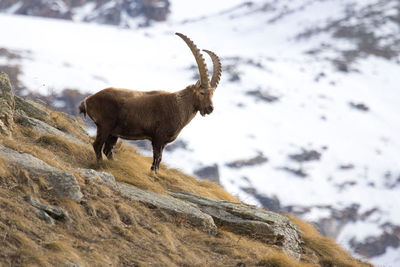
(203, 90)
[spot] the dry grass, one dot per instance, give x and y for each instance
(107, 229)
(130, 167)
(325, 249)
(68, 124)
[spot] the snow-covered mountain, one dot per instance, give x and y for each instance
(306, 116)
(124, 13)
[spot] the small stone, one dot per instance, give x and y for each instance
(54, 212)
(45, 217)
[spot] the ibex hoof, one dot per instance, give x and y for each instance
(155, 169)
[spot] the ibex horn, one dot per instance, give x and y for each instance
(217, 68)
(204, 79)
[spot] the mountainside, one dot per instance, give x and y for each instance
(124, 13)
(305, 116)
(59, 207)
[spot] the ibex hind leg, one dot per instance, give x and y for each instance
(109, 146)
(101, 137)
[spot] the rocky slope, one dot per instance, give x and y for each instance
(59, 211)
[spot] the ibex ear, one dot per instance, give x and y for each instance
(198, 83)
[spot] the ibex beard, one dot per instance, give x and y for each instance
(157, 116)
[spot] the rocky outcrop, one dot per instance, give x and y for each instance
(14, 109)
(269, 227)
(31, 109)
(42, 127)
(168, 204)
(6, 105)
(62, 183)
(206, 213)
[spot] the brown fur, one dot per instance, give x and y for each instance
(156, 115)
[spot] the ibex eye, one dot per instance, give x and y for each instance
(202, 93)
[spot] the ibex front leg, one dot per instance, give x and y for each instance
(158, 148)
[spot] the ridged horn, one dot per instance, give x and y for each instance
(217, 68)
(204, 79)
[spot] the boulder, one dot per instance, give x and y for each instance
(269, 227)
(63, 184)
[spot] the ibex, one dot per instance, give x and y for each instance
(158, 116)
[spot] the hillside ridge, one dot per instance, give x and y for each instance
(61, 208)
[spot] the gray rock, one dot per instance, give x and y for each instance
(44, 216)
(54, 212)
(100, 177)
(31, 109)
(171, 205)
(64, 184)
(6, 105)
(269, 227)
(42, 127)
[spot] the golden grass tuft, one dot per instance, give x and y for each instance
(69, 124)
(3, 168)
(25, 131)
(28, 257)
(73, 153)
